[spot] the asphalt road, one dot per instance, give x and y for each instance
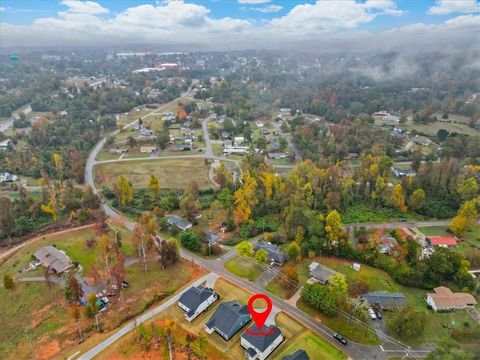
(353, 350)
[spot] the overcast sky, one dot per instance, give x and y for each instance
(237, 24)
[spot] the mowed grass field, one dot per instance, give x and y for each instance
(72, 242)
(172, 173)
(244, 268)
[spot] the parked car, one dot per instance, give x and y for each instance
(340, 338)
(372, 314)
(378, 312)
(125, 284)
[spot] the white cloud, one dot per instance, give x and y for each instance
(84, 7)
(253, 2)
(328, 16)
(267, 9)
(323, 25)
(445, 7)
(2, 9)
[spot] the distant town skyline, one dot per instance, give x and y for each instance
(240, 24)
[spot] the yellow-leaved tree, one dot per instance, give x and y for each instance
(398, 199)
(245, 198)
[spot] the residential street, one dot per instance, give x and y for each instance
(216, 267)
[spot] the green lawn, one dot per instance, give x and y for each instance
(471, 238)
(172, 173)
(105, 154)
(379, 280)
(298, 337)
(339, 324)
(244, 268)
(72, 242)
(432, 128)
(33, 313)
(277, 288)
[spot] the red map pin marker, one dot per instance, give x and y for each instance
(260, 317)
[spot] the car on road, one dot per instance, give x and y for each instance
(378, 312)
(340, 338)
(372, 314)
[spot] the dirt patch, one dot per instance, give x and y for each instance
(48, 351)
(37, 315)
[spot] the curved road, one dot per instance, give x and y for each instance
(353, 350)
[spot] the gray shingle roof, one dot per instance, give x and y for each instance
(297, 355)
(274, 251)
(51, 256)
(193, 297)
(261, 343)
(179, 222)
(229, 318)
(386, 300)
(322, 273)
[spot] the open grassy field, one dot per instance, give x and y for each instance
(172, 173)
(243, 268)
(72, 242)
(132, 115)
(34, 320)
(104, 154)
(432, 128)
(299, 337)
(278, 288)
(339, 324)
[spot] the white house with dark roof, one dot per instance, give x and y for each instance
(228, 319)
(260, 347)
(196, 300)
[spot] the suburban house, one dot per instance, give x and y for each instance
(50, 257)
(443, 241)
(235, 150)
(196, 300)
(443, 299)
(320, 273)
(7, 177)
(277, 155)
(386, 244)
(228, 319)
(386, 300)
(212, 238)
(275, 254)
(118, 151)
(381, 113)
(421, 140)
(238, 140)
(403, 172)
(179, 222)
(259, 347)
(5, 144)
(148, 149)
(297, 355)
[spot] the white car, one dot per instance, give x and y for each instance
(372, 314)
